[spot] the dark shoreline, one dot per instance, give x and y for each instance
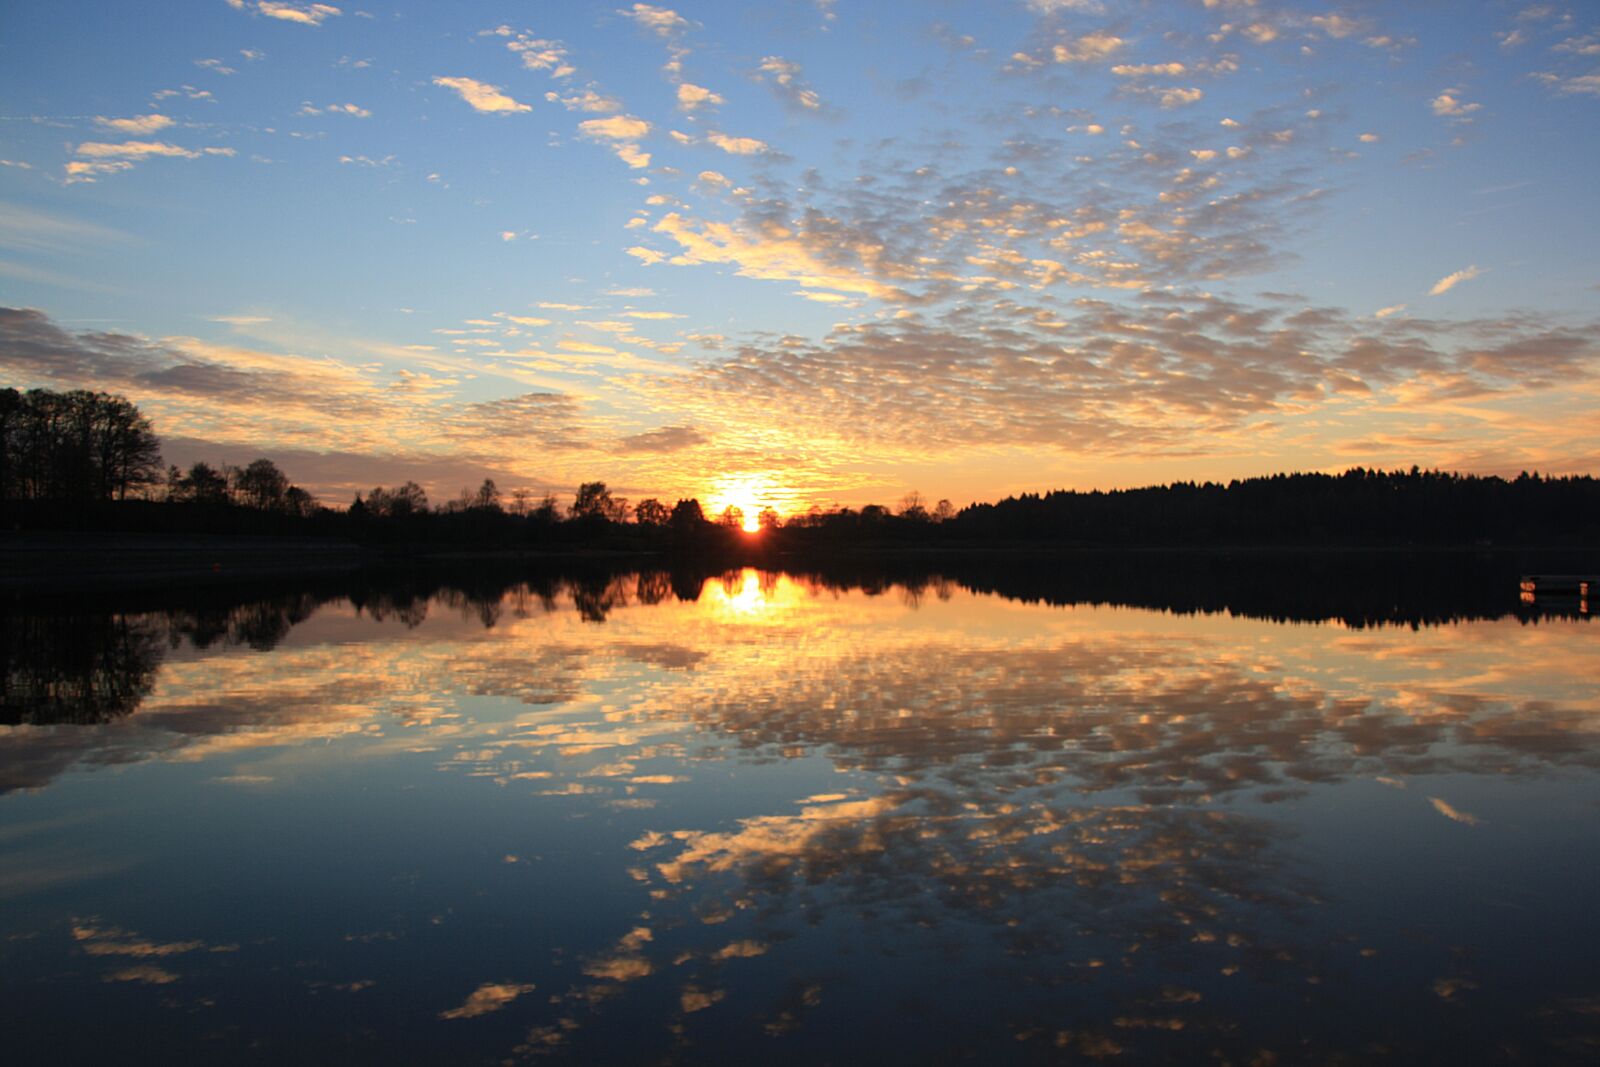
(1359, 586)
(128, 559)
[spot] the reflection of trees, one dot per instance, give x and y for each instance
(95, 666)
(75, 668)
(258, 624)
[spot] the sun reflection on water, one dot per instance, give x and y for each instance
(749, 599)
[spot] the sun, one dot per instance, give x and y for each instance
(751, 494)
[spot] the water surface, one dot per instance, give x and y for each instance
(647, 817)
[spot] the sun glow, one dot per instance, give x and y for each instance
(750, 494)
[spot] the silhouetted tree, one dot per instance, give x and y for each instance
(593, 501)
(732, 517)
(687, 518)
(77, 445)
(651, 512)
(260, 484)
(769, 520)
(547, 512)
(487, 496)
(204, 484)
(298, 502)
(402, 501)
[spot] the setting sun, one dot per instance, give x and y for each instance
(750, 494)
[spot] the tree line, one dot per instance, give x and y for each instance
(80, 448)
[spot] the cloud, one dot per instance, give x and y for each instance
(304, 14)
(103, 157)
(691, 97)
(1129, 70)
(738, 146)
(1449, 104)
(487, 998)
(1168, 97)
(1090, 48)
(620, 131)
(768, 250)
(660, 20)
(666, 439)
(1452, 813)
(615, 128)
(481, 96)
(1579, 85)
(215, 386)
(29, 230)
(351, 110)
(536, 53)
(784, 78)
(134, 150)
(142, 124)
(1588, 45)
(587, 100)
(1338, 26)
(1172, 374)
(1450, 281)
(80, 171)
(1385, 312)
(1053, 7)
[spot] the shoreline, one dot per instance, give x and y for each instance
(34, 560)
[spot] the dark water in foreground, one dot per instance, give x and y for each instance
(646, 818)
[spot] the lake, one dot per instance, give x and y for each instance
(863, 816)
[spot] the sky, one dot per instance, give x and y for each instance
(811, 251)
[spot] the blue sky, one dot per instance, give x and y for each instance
(804, 252)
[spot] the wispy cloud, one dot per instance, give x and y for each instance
(1450, 281)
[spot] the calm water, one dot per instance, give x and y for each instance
(642, 818)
